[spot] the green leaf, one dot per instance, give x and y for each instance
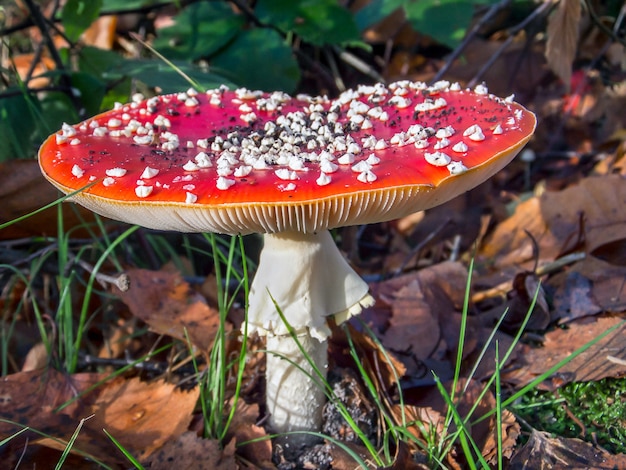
(97, 61)
(77, 16)
(91, 91)
(375, 11)
(126, 5)
(316, 21)
(444, 20)
(17, 127)
(259, 59)
(200, 30)
(156, 73)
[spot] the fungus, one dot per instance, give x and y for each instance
(293, 193)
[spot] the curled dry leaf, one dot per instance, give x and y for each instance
(544, 451)
(169, 306)
(190, 452)
(23, 190)
(31, 399)
(143, 416)
(594, 364)
(587, 216)
(562, 35)
(245, 432)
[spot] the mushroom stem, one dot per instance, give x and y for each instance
(295, 394)
(307, 279)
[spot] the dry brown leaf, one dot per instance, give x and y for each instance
(594, 364)
(190, 452)
(23, 189)
(419, 302)
(245, 432)
(587, 216)
(143, 416)
(381, 368)
(510, 431)
(562, 41)
(31, 399)
(543, 452)
(574, 298)
(169, 306)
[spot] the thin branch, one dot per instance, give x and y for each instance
(470, 36)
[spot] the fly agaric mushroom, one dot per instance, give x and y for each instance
(239, 162)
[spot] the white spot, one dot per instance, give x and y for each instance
(203, 143)
(481, 89)
(224, 170)
(328, 167)
(287, 187)
(444, 132)
(456, 168)
(380, 145)
(474, 132)
(67, 130)
(323, 179)
(77, 171)
(149, 173)
(190, 198)
(108, 181)
(243, 171)
(100, 131)
(361, 167)
(366, 177)
(285, 174)
(509, 99)
(190, 166)
(162, 121)
(191, 102)
(498, 130)
(75, 141)
(437, 158)
(441, 85)
(249, 117)
(460, 147)
(142, 139)
(346, 159)
(117, 172)
(430, 105)
(441, 144)
(296, 163)
(224, 183)
(421, 144)
(455, 87)
(373, 159)
(400, 102)
(143, 191)
(203, 160)
(113, 122)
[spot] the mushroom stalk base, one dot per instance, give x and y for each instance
(304, 278)
(295, 392)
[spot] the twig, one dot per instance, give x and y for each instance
(512, 32)
(359, 64)
(421, 245)
(470, 36)
(42, 24)
(122, 281)
(506, 286)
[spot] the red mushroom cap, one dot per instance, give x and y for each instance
(243, 161)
